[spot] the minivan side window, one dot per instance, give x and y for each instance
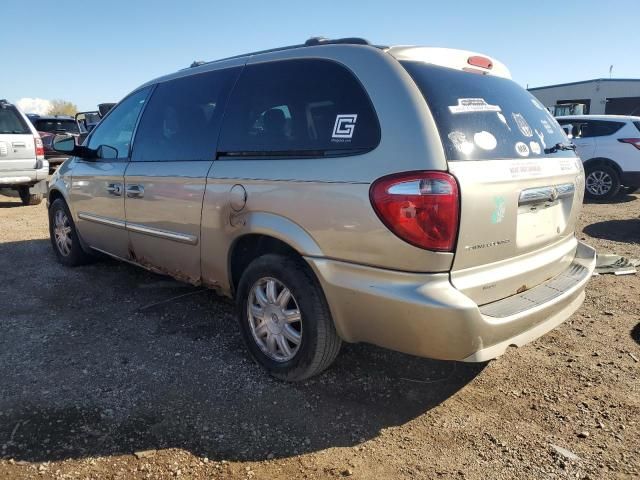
(183, 118)
(302, 107)
(116, 129)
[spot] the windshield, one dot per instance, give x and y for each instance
(12, 122)
(483, 117)
(53, 126)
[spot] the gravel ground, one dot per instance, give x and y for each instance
(100, 380)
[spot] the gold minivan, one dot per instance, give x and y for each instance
(414, 198)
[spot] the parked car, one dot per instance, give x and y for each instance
(50, 125)
(88, 120)
(22, 163)
(609, 146)
(410, 197)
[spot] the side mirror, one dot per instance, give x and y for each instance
(64, 144)
(67, 144)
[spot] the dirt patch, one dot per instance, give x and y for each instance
(103, 379)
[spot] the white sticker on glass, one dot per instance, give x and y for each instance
(503, 119)
(522, 149)
(535, 147)
(485, 140)
(461, 143)
(471, 105)
(522, 124)
(547, 126)
(345, 126)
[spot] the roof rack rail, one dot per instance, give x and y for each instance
(313, 41)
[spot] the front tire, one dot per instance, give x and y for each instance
(284, 318)
(602, 182)
(64, 236)
(29, 198)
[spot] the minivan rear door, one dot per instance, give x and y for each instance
(520, 186)
(17, 148)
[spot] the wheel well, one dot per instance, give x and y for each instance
(249, 247)
(54, 195)
(594, 162)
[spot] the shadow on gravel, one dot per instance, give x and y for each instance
(93, 363)
(627, 231)
(623, 198)
(635, 333)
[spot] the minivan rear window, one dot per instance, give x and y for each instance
(484, 117)
(12, 122)
(298, 108)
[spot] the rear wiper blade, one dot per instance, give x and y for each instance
(560, 146)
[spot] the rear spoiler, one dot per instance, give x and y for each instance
(451, 58)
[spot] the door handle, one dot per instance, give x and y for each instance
(135, 191)
(114, 189)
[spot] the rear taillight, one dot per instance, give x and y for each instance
(37, 141)
(632, 141)
(421, 208)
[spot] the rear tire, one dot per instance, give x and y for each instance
(602, 182)
(29, 198)
(64, 236)
(288, 349)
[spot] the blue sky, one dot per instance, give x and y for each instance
(93, 52)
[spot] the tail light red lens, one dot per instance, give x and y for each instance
(39, 147)
(421, 208)
(632, 141)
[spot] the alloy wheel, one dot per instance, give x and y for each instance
(599, 183)
(62, 232)
(274, 319)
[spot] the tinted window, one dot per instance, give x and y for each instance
(484, 117)
(298, 108)
(11, 121)
(182, 120)
(116, 129)
(53, 126)
(637, 124)
(578, 128)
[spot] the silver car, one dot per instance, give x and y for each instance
(22, 163)
(410, 197)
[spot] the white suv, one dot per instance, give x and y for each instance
(609, 146)
(22, 163)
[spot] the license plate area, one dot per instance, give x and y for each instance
(543, 214)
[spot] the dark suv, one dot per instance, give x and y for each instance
(48, 127)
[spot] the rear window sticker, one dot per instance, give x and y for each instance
(522, 124)
(499, 211)
(519, 169)
(345, 126)
(471, 105)
(547, 126)
(522, 149)
(537, 104)
(535, 147)
(541, 137)
(485, 140)
(461, 143)
(503, 119)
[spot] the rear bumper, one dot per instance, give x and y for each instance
(24, 177)
(424, 315)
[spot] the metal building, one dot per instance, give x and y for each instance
(616, 96)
